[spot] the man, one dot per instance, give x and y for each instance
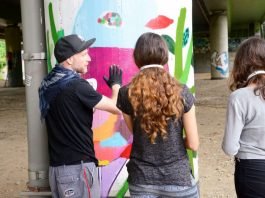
(66, 103)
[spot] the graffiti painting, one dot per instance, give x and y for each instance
(220, 62)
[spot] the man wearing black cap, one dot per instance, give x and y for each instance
(66, 104)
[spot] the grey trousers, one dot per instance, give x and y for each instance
(74, 181)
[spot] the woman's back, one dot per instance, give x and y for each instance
(156, 108)
(165, 161)
(246, 114)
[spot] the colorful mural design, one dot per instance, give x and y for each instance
(116, 28)
(110, 19)
(220, 62)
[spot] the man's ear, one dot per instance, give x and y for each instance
(69, 60)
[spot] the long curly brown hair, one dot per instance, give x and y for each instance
(154, 95)
(249, 58)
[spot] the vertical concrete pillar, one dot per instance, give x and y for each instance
(13, 52)
(35, 69)
(219, 45)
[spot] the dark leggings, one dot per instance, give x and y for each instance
(250, 178)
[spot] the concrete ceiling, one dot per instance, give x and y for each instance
(9, 14)
(239, 12)
(10, 11)
(246, 11)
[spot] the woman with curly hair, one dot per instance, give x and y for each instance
(244, 135)
(156, 108)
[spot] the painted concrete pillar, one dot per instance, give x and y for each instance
(35, 70)
(219, 46)
(13, 52)
(116, 25)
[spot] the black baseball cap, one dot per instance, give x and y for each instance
(70, 45)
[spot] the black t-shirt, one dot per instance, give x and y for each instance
(166, 161)
(69, 123)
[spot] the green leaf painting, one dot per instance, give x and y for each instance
(170, 43)
(176, 48)
(55, 35)
(123, 190)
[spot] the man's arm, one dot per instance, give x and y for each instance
(109, 104)
(114, 82)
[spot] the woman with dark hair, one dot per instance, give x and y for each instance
(156, 108)
(244, 135)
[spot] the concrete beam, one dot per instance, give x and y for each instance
(204, 10)
(11, 13)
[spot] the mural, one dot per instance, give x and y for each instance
(220, 62)
(233, 43)
(116, 27)
(201, 45)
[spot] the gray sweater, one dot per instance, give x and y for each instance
(245, 125)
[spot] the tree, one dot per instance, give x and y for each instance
(2, 54)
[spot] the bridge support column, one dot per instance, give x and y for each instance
(13, 52)
(219, 45)
(35, 70)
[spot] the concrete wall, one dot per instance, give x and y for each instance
(202, 63)
(202, 55)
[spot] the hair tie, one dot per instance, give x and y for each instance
(255, 73)
(149, 66)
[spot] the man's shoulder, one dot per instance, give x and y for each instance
(78, 85)
(78, 82)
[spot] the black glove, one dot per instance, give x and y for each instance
(115, 76)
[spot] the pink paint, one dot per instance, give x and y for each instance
(102, 58)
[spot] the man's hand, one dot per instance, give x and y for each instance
(115, 76)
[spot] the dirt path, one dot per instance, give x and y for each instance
(215, 169)
(13, 141)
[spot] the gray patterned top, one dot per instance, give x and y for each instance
(166, 161)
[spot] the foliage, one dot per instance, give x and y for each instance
(2, 54)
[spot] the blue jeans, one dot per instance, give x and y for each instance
(163, 191)
(250, 178)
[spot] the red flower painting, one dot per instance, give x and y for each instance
(160, 22)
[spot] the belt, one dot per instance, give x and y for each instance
(80, 162)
